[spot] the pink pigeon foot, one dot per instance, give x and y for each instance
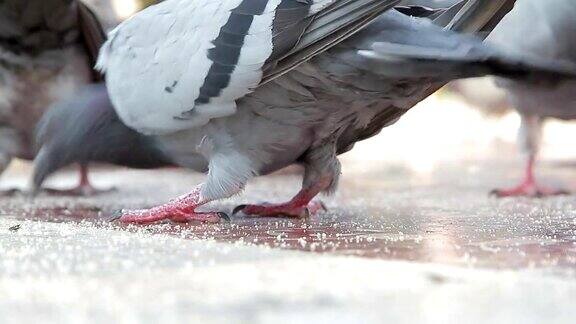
(300, 206)
(179, 210)
(528, 187)
(290, 209)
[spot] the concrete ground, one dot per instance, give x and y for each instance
(411, 236)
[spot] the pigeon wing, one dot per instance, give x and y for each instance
(179, 64)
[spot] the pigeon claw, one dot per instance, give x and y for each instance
(528, 190)
(149, 216)
(238, 209)
(116, 215)
(281, 210)
(224, 216)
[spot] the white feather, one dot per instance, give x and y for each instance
(163, 46)
(166, 46)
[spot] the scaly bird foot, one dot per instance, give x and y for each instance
(149, 216)
(528, 190)
(281, 210)
(179, 210)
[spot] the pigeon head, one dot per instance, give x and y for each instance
(86, 129)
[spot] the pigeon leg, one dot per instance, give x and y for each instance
(529, 138)
(528, 187)
(321, 172)
(83, 189)
(300, 206)
(223, 181)
(180, 210)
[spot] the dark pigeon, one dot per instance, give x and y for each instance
(47, 50)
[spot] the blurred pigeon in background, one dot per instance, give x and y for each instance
(106, 12)
(261, 85)
(482, 94)
(47, 50)
(546, 29)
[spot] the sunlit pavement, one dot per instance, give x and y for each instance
(412, 235)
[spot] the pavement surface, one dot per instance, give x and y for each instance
(406, 240)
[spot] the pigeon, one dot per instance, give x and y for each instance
(47, 49)
(546, 29)
(261, 85)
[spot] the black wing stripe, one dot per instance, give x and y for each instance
(419, 11)
(227, 48)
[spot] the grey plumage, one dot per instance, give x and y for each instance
(413, 91)
(546, 29)
(47, 52)
(90, 116)
(32, 27)
(479, 16)
(456, 57)
(47, 48)
(312, 104)
(429, 3)
(325, 31)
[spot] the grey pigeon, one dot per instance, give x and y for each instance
(546, 29)
(47, 50)
(239, 89)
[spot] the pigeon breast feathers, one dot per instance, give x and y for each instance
(179, 64)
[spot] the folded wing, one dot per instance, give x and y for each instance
(179, 64)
